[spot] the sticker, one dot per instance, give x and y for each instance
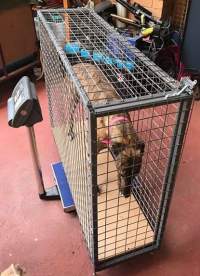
(120, 78)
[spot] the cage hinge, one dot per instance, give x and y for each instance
(186, 85)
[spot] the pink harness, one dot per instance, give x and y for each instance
(113, 121)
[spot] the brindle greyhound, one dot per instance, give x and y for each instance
(114, 131)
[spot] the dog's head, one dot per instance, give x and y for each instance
(128, 162)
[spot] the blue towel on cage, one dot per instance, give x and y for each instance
(73, 48)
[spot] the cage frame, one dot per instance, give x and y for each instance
(185, 100)
(173, 164)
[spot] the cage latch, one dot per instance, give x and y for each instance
(186, 85)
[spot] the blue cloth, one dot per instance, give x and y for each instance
(72, 48)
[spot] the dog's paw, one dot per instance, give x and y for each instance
(99, 190)
(126, 192)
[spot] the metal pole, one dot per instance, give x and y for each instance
(46, 194)
(36, 161)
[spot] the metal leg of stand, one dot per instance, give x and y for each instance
(51, 193)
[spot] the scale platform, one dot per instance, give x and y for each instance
(63, 187)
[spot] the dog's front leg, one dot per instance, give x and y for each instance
(126, 189)
(116, 151)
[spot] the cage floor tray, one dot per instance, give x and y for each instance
(122, 225)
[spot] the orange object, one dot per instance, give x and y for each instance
(65, 4)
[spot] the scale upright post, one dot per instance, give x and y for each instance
(46, 194)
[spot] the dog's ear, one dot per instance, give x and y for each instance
(116, 148)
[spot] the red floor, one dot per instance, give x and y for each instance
(45, 241)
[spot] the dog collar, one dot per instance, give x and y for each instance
(107, 141)
(118, 119)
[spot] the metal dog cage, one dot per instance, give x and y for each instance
(119, 123)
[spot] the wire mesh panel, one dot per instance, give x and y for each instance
(74, 154)
(128, 70)
(128, 208)
(119, 123)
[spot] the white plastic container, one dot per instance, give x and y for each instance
(121, 11)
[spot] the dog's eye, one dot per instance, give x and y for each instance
(116, 149)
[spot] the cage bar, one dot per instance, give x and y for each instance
(119, 123)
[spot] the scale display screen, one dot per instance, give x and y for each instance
(23, 105)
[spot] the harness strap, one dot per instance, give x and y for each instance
(118, 119)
